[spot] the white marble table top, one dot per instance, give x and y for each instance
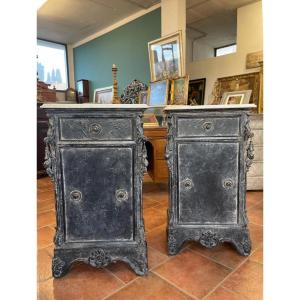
(92, 105)
(212, 107)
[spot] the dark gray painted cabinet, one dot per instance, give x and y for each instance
(96, 157)
(209, 151)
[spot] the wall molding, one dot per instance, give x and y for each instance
(115, 25)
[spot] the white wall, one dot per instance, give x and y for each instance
(173, 18)
(249, 39)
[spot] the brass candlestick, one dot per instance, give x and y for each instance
(116, 99)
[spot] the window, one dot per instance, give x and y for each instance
(225, 50)
(52, 66)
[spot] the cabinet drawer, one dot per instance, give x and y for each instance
(95, 129)
(206, 126)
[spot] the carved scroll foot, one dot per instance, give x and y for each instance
(140, 267)
(59, 267)
(174, 242)
(243, 246)
(138, 260)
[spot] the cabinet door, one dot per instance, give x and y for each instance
(98, 193)
(208, 182)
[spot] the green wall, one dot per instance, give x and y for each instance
(126, 46)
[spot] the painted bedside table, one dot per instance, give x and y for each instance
(96, 157)
(209, 150)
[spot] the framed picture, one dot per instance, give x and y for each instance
(143, 95)
(179, 90)
(71, 95)
(165, 57)
(103, 95)
(196, 91)
(249, 81)
(158, 93)
(237, 97)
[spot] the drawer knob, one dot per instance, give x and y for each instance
(95, 128)
(121, 196)
(75, 195)
(187, 184)
(207, 126)
(228, 183)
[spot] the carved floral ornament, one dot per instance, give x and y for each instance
(99, 258)
(208, 239)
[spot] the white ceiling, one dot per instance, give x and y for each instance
(69, 21)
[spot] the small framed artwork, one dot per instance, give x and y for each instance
(196, 91)
(71, 95)
(165, 57)
(103, 95)
(158, 93)
(143, 95)
(237, 97)
(179, 90)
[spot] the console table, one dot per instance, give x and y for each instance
(209, 150)
(96, 156)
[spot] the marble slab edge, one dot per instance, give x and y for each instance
(209, 107)
(94, 106)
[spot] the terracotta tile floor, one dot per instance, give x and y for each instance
(195, 273)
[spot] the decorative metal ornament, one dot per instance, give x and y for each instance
(131, 92)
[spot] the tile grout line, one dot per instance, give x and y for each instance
(233, 292)
(225, 278)
(121, 288)
(175, 286)
(109, 272)
(212, 259)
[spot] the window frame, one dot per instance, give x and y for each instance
(216, 49)
(67, 62)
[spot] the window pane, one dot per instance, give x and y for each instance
(52, 64)
(226, 50)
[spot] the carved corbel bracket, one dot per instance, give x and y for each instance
(141, 139)
(248, 135)
(49, 162)
(170, 142)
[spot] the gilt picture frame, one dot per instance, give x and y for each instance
(179, 91)
(165, 57)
